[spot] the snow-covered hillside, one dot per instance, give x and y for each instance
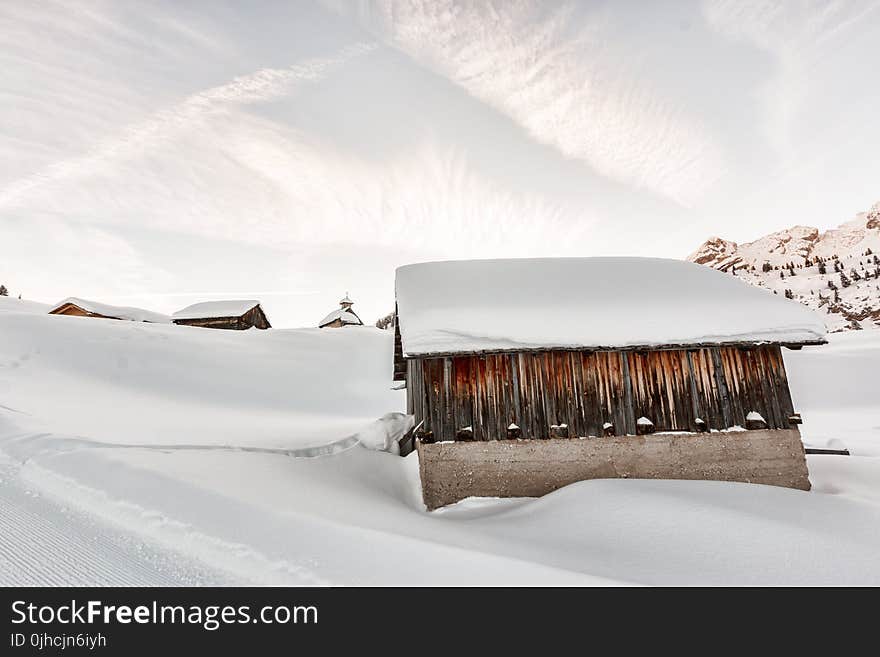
(14, 305)
(161, 454)
(836, 272)
(129, 383)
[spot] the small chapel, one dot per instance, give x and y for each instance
(342, 316)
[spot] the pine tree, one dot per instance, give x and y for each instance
(3, 291)
(385, 322)
(822, 268)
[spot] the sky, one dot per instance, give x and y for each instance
(161, 153)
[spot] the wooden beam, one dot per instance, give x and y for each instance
(833, 452)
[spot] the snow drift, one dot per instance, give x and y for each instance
(130, 383)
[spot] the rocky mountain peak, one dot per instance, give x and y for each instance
(836, 272)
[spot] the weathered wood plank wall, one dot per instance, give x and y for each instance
(584, 390)
(399, 362)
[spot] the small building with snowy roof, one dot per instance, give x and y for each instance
(237, 315)
(658, 366)
(342, 316)
(76, 307)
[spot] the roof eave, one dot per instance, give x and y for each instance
(202, 319)
(791, 344)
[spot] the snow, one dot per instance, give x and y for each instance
(16, 305)
(835, 390)
(383, 434)
(754, 416)
(39, 530)
(644, 422)
(132, 454)
(116, 312)
(346, 317)
(131, 383)
(216, 309)
(583, 303)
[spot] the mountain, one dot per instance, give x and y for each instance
(836, 272)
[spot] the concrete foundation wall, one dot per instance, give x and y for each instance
(452, 471)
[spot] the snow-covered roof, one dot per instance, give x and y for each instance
(346, 316)
(216, 309)
(116, 312)
(587, 303)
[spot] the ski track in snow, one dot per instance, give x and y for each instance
(43, 543)
(283, 547)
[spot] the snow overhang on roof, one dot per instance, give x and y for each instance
(475, 306)
(346, 316)
(116, 312)
(216, 309)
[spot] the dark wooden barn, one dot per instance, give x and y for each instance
(231, 315)
(507, 350)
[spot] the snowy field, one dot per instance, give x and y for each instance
(160, 454)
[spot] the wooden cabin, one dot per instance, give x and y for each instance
(342, 316)
(525, 375)
(76, 307)
(230, 315)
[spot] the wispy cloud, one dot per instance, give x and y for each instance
(260, 86)
(144, 146)
(797, 36)
(560, 76)
(228, 294)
